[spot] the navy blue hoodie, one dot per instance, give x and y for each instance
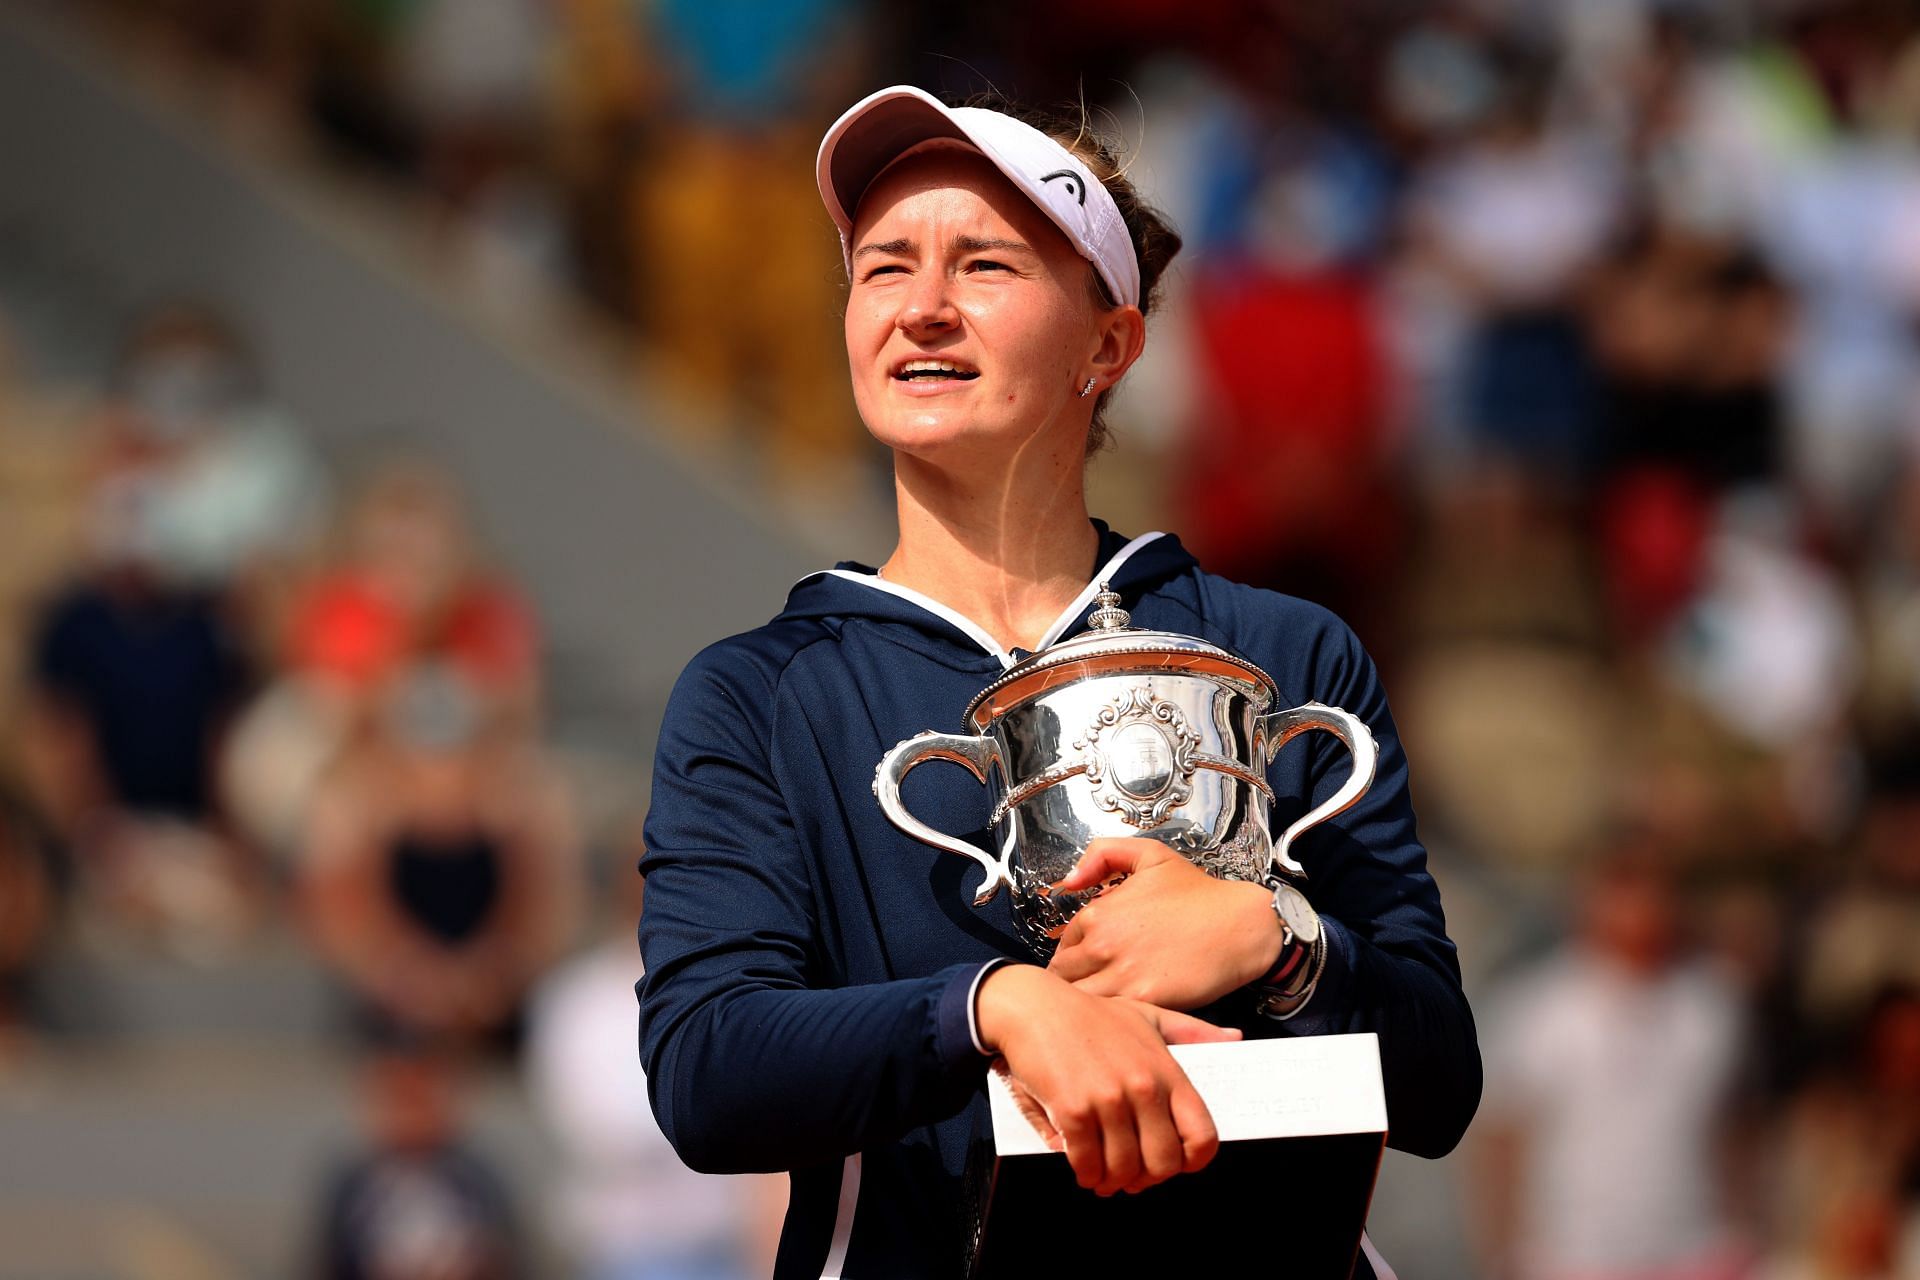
(809, 968)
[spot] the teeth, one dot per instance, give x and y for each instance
(931, 366)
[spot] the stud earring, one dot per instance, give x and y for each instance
(1088, 389)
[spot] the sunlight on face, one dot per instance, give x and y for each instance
(970, 315)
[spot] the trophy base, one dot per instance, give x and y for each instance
(1302, 1125)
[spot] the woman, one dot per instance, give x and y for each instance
(818, 996)
(436, 871)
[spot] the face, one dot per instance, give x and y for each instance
(971, 324)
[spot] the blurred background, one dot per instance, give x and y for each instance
(395, 393)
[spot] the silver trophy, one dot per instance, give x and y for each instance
(1123, 732)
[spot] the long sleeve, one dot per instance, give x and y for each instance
(757, 1056)
(1391, 968)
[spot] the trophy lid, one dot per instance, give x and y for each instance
(1113, 646)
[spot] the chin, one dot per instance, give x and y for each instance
(912, 427)
(935, 438)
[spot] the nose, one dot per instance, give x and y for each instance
(928, 307)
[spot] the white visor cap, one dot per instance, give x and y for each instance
(881, 127)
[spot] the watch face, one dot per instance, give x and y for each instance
(1298, 914)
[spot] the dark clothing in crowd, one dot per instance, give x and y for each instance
(151, 675)
(447, 886)
(440, 1213)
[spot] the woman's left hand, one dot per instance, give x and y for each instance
(1169, 933)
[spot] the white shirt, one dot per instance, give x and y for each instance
(625, 1191)
(1618, 1083)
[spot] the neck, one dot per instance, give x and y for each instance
(1009, 551)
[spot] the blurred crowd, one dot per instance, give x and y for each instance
(1568, 349)
(245, 694)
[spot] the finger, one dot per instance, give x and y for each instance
(1199, 1140)
(1072, 963)
(1120, 1145)
(1162, 1154)
(1070, 960)
(1036, 1115)
(1104, 859)
(1184, 1028)
(1086, 1148)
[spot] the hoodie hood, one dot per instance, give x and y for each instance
(851, 590)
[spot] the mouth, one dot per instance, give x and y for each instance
(926, 370)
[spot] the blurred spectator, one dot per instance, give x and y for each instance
(1866, 935)
(627, 1209)
(741, 307)
(410, 586)
(230, 492)
(1767, 646)
(131, 681)
(597, 85)
(1834, 226)
(1768, 641)
(1688, 334)
(407, 587)
(417, 1204)
(198, 497)
(1847, 1182)
(1507, 694)
(1507, 228)
(1285, 486)
(1282, 472)
(438, 872)
(470, 74)
(1285, 479)
(1611, 1072)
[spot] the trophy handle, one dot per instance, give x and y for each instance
(976, 754)
(1283, 727)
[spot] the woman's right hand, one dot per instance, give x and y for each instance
(1099, 1068)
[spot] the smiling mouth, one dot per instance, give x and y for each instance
(934, 371)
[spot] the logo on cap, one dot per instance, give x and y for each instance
(1073, 184)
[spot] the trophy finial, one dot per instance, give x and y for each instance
(1107, 614)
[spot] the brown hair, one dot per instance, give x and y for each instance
(1155, 242)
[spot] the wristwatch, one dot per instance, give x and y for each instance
(1303, 954)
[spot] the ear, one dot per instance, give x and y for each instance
(1122, 337)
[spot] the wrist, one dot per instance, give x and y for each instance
(1003, 996)
(1258, 932)
(1290, 981)
(972, 1002)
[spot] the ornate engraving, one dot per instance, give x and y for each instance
(1243, 856)
(1139, 757)
(1034, 786)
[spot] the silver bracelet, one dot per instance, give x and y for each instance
(1282, 1005)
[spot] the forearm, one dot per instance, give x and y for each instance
(759, 1079)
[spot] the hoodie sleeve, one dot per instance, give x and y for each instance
(756, 1059)
(1391, 968)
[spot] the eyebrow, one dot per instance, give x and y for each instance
(965, 244)
(974, 244)
(897, 247)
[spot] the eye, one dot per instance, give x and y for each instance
(884, 269)
(989, 264)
